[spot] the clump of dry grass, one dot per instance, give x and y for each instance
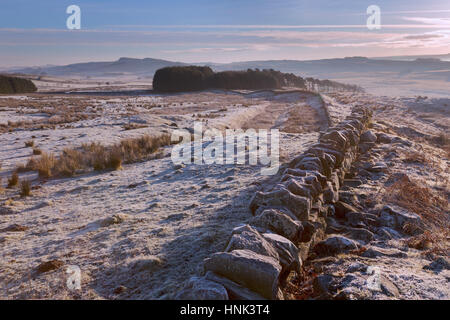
(29, 143)
(431, 207)
(138, 149)
(419, 198)
(25, 188)
(97, 156)
(43, 165)
(13, 180)
(69, 162)
(114, 161)
(430, 242)
(37, 151)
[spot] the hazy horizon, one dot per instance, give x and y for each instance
(212, 62)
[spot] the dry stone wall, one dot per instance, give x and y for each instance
(288, 221)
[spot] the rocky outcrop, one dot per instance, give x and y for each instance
(290, 219)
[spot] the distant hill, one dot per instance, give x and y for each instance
(145, 67)
(329, 68)
(443, 57)
(428, 67)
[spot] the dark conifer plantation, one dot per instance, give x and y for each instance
(16, 85)
(192, 78)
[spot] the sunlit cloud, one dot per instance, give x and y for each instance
(430, 21)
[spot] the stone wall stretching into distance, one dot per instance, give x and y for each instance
(288, 221)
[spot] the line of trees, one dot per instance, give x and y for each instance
(193, 78)
(329, 85)
(10, 84)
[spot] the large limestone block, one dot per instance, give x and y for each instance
(254, 271)
(280, 223)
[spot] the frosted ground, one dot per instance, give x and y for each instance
(140, 232)
(171, 217)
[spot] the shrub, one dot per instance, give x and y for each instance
(43, 165)
(29, 143)
(14, 180)
(25, 188)
(419, 198)
(97, 156)
(114, 161)
(69, 162)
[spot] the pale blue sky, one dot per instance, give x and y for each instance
(34, 32)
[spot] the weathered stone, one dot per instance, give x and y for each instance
(321, 285)
(287, 251)
(375, 252)
(292, 173)
(366, 146)
(297, 188)
(251, 240)
(234, 290)
(368, 136)
(388, 233)
(329, 194)
(352, 136)
(360, 234)
(246, 227)
(377, 167)
(342, 208)
(308, 231)
(256, 272)
(356, 267)
(334, 245)
(311, 163)
(355, 219)
(334, 179)
(278, 222)
(199, 288)
(337, 155)
(335, 136)
(314, 182)
(352, 182)
(441, 263)
(330, 159)
(397, 218)
(384, 138)
(388, 287)
(282, 197)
